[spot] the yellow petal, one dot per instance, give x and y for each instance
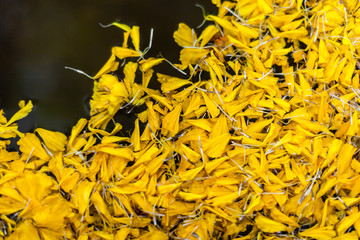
(277, 214)
(103, 235)
(347, 222)
(25, 109)
(121, 52)
(228, 26)
(221, 126)
(174, 83)
(100, 205)
(190, 196)
(135, 137)
(30, 146)
(192, 55)
(213, 164)
(220, 213)
(135, 37)
(305, 86)
(129, 72)
(110, 66)
(268, 225)
(120, 152)
(190, 174)
(26, 230)
(149, 63)
(124, 27)
(319, 233)
(170, 123)
(347, 236)
(207, 34)
(200, 123)
(194, 104)
(225, 199)
(265, 6)
(54, 141)
(344, 160)
(215, 147)
(163, 189)
(184, 36)
(211, 106)
(76, 130)
(83, 192)
(189, 153)
(146, 155)
(122, 233)
(10, 206)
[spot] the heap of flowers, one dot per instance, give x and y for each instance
(258, 140)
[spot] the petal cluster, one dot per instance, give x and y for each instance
(258, 140)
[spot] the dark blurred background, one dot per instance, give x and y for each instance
(38, 38)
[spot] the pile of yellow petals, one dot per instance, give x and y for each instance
(258, 140)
